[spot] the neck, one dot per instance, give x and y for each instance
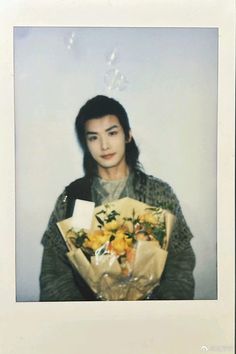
(114, 173)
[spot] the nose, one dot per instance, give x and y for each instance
(104, 143)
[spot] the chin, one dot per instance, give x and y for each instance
(110, 164)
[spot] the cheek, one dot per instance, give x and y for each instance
(121, 145)
(91, 148)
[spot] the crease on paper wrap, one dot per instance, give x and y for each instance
(104, 275)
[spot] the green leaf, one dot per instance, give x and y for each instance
(101, 212)
(80, 240)
(110, 218)
(159, 234)
(88, 252)
(99, 220)
(112, 238)
(129, 234)
(113, 214)
(127, 219)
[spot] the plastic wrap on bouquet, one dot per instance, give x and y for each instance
(104, 271)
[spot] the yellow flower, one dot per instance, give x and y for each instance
(101, 239)
(93, 235)
(119, 245)
(94, 245)
(107, 234)
(148, 217)
(129, 241)
(96, 239)
(120, 233)
(112, 225)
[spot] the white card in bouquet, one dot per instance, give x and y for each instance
(82, 214)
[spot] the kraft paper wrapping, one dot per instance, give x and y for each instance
(104, 275)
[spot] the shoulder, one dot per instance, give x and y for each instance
(79, 188)
(76, 183)
(153, 182)
(158, 183)
(157, 191)
(59, 209)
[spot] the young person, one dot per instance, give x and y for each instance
(112, 171)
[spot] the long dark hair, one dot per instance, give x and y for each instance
(98, 107)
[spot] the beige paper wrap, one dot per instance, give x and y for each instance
(104, 275)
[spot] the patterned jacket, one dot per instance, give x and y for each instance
(59, 281)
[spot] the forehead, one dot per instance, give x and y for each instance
(101, 124)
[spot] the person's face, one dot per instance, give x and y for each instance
(106, 142)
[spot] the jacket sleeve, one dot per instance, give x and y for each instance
(57, 282)
(57, 279)
(177, 282)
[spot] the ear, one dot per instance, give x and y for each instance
(129, 138)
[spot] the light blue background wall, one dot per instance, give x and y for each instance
(166, 78)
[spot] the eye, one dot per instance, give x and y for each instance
(92, 138)
(113, 132)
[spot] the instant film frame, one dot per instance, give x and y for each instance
(166, 78)
(205, 322)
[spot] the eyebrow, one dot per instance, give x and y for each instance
(107, 130)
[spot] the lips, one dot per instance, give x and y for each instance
(107, 156)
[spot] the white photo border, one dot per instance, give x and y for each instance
(143, 327)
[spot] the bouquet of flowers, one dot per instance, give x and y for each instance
(122, 254)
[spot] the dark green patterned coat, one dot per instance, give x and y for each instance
(58, 280)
